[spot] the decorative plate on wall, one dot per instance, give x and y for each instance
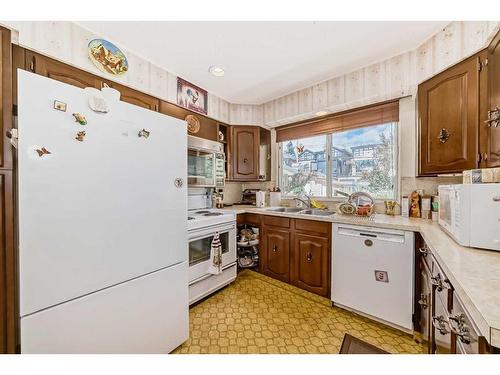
(107, 57)
(193, 124)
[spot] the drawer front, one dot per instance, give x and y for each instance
(276, 221)
(253, 219)
(464, 329)
(309, 226)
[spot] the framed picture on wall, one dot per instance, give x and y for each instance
(191, 96)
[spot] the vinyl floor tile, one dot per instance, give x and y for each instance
(260, 315)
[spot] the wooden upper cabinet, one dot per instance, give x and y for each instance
(245, 142)
(59, 71)
(448, 108)
(5, 97)
(208, 127)
(62, 72)
(490, 131)
(135, 97)
(276, 257)
(311, 263)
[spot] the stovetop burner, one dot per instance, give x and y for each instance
(190, 218)
(213, 214)
(202, 212)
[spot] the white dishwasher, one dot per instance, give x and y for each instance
(372, 273)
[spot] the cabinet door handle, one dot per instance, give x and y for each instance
(423, 251)
(461, 329)
(309, 257)
(275, 248)
(439, 322)
(423, 301)
(32, 64)
(245, 160)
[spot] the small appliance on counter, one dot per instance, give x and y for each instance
(248, 197)
(470, 214)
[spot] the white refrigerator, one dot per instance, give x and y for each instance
(102, 225)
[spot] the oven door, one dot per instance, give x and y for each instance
(200, 242)
(201, 168)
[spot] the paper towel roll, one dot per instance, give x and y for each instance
(260, 199)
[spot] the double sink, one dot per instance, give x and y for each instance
(302, 211)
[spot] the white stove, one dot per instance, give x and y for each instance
(207, 217)
(203, 223)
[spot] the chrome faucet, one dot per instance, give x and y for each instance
(307, 203)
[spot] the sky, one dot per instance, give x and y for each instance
(348, 138)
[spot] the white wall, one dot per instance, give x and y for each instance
(407, 135)
(392, 78)
(67, 42)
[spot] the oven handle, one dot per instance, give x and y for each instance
(206, 276)
(205, 232)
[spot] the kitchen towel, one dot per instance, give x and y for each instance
(215, 264)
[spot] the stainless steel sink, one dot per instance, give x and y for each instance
(317, 212)
(285, 209)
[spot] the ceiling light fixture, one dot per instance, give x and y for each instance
(216, 71)
(321, 113)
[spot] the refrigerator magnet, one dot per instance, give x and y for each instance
(80, 136)
(79, 118)
(42, 151)
(144, 133)
(60, 106)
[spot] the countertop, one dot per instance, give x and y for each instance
(474, 273)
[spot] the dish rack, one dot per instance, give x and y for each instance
(248, 247)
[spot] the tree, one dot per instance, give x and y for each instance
(380, 178)
(298, 182)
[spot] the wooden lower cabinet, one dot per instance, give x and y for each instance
(297, 252)
(276, 257)
(8, 261)
(311, 263)
(444, 324)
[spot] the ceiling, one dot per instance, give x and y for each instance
(264, 60)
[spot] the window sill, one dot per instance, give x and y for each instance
(331, 199)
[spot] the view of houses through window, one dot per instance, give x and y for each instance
(362, 159)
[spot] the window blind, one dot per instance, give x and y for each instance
(365, 116)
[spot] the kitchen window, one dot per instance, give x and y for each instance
(337, 164)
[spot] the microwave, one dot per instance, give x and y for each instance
(470, 214)
(206, 163)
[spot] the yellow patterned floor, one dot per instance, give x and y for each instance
(257, 314)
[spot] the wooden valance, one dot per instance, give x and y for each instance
(365, 116)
